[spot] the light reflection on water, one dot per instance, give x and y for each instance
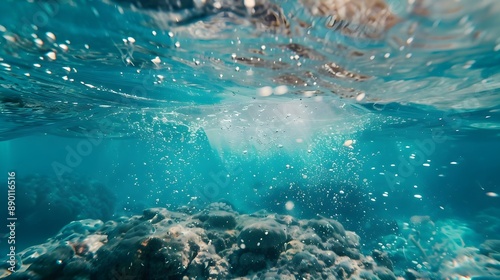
(212, 57)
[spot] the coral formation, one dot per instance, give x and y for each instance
(443, 249)
(219, 243)
(215, 243)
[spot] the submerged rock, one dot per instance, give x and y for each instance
(490, 247)
(384, 273)
(382, 259)
(263, 236)
(219, 243)
(52, 264)
(217, 219)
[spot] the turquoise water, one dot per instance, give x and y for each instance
(385, 118)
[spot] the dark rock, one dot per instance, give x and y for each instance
(412, 274)
(138, 254)
(222, 205)
(264, 236)
(485, 277)
(342, 249)
(251, 262)
(490, 246)
(287, 220)
(345, 269)
(120, 227)
(327, 228)
(384, 273)
(368, 264)
(242, 262)
(217, 219)
(155, 215)
(27, 275)
(309, 237)
(82, 227)
(5, 264)
(352, 239)
(328, 257)
(217, 241)
(163, 261)
(208, 266)
(142, 229)
(76, 268)
(367, 275)
(305, 262)
(276, 274)
(382, 259)
(495, 256)
(50, 265)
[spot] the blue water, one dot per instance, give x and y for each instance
(107, 108)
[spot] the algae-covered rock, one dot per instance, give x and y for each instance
(490, 246)
(327, 228)
(306, 262)
(263, 236)
(218, 243)
(51, 264)
(217, 219)
(382, 259)
(384, 273)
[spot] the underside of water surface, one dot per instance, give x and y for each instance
(250, 139)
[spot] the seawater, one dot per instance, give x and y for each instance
(109, 107)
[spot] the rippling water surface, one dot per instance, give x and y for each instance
(258, 103)
(68, 64)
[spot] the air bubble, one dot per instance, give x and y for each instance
(156, 60)
(279, 90)
(249, 3)
(51, 36)
(38, 42)
(265, 91)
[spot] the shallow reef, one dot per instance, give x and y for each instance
(219, 243)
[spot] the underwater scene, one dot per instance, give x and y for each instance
(250, 139)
